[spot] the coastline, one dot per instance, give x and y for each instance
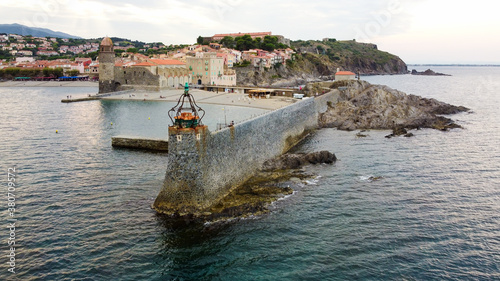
(201, 97)
(49, 84)
(205, 97)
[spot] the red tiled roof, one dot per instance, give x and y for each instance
(242, 33)
(167, 62)
(344, 73)
(144, 63)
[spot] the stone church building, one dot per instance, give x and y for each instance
(150, 75)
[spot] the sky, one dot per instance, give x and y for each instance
(418, 31)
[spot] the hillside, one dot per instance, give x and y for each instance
(33, 31)
(351, 55)
(319, 60)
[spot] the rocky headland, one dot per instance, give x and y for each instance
(316, 61)
(361, 105)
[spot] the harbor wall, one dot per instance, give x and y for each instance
(140, 143)
(203, 166)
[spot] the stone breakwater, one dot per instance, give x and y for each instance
(204, 167)
(140, 143)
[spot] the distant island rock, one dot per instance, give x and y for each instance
(361, 105)
(428, 72)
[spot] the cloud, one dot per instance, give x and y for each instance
(173, 21)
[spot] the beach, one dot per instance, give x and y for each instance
(49, 84)
(206, 97)
(200, 96)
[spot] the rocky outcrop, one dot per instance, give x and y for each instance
(295, 161)
(361, 105)
(428, 72)
(279, 76)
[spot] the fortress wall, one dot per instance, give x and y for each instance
(203, 167)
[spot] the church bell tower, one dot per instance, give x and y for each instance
(106, 66)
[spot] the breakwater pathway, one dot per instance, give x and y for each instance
(84, 208)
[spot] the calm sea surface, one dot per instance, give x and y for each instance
(83, 208)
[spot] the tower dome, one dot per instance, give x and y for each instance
(106, 41)
(106, 45)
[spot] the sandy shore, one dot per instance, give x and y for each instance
(202, 97)
(49, 84)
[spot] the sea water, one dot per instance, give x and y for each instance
(420, 208)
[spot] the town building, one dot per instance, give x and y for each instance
(209, 69)
(25, 59)
(344, 75)
(146, 74)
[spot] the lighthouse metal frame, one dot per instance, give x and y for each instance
(179, 108)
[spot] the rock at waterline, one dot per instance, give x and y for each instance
(361, 105)
(266, 186)
(399, 131)
(295, 161)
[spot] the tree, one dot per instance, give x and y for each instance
(245, 42)
(271, 39)
(93, 55)
(73, 72)
(268, 47)
(118, 52)
(132, 50)
(200, 40)
(58, 72)
(228, 42)
(258, 43)
(47, 72)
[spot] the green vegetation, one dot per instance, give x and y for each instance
(118, 53)
(245, 42)
(13, 72)
(73, 72)
(244, 63)
(92, 55)
(349, 54)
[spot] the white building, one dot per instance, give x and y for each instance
(25, 59)
(208, 69)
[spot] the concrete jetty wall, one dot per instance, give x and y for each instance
(203, 166)
(140, 143)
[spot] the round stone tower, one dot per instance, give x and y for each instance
(106, 66)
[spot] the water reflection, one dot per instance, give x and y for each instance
(189, 250)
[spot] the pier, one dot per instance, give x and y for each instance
(135, 142)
